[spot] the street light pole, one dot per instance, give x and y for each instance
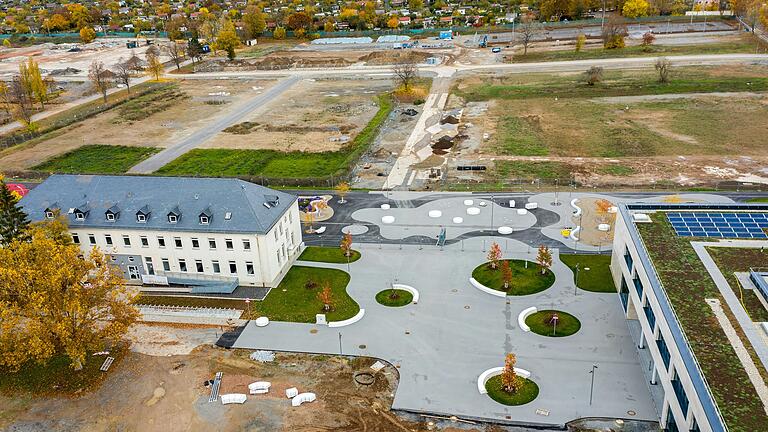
(602, 23)
(576, 284)
(491, 212)
(342, 353)
(591, 387)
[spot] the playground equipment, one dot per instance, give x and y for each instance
(441, 237)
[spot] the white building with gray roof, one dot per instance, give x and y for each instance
(198, 235)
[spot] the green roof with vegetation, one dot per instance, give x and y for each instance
(687, 284)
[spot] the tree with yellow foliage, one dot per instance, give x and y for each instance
(635, 8)
(393, 22)
(227, 40)
(155, 67)
(87, 35)
(342, 189)
(55, 302)
(510, 381)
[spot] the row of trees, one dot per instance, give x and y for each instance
(53, 300)
(25, 89)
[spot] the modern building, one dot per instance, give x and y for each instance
(704, 356)
(195, 234)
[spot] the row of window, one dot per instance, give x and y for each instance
(141, 216)
(197, 266)
(177, 242)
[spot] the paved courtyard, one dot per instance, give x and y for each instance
(456, 332)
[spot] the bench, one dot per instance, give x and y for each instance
(259, 387)
(523, 315)
(231, 398)
(485, 289)
(303, 397)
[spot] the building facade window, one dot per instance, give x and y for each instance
(172, 219)
(127, 241)
(141, 218)
(233, 267)
(92, 239)
(166, 265)
(638, 286)
(199, 266)
(182, 265)
(161, 241)
(108, 239)
(624, 293)
(246, 244)
(682, 398)
(150, 265)
(663, 350)
(628, 258)
(671, 424)
(228, 243)
(144, 241)
(249, 268)
(195, 243)
(649, 315)
(216, 267)
(177, 242)
(212, 244)
(75, 239)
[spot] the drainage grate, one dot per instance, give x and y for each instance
(107, 363)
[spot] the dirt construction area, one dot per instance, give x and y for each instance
(153, 120)
(166, 392)
(313, 116)
(307, 58)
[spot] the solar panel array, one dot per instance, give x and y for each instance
(724, 225)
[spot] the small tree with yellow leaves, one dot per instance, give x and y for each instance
(494, 255)
(510, 381)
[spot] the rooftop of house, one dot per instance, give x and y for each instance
(158, 203)
(682, 282)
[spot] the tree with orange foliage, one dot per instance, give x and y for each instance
(494, 255)
(326, 297)
(510, 382)
(346, 244)
(506, 274)
(544, 258)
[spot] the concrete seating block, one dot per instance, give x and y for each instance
(231, 398)
(303, 397)
(522, 317)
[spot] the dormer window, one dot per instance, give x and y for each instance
(172, 218)
(79, 216)
(174, 215)
(142, 215)
(141, 218)
(111, 217)
(112, 213)
(205, 216)
(204, 220)
(49, 214)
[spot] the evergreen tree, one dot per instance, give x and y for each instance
(195, 49)
(13, 221)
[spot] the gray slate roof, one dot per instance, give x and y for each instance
(159, 196)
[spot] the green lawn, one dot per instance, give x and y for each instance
(745, 45)
(541, 323)
(758, 200)
(56, 377)
(687, 284)
(526, 394)
(292, 300)
(598, 278)
(327, 254)
(524, 280)
(394, 298)
(273, 164)
(97, 159)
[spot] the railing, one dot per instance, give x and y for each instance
(661, 294)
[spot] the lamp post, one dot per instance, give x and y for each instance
(576, 283)
(342, 353)
(491, 212)
(591, 387)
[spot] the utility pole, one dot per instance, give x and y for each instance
(591, 387)
(602, 22)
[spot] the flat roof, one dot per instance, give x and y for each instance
(681, 283)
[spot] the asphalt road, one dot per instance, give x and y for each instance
(208, 130)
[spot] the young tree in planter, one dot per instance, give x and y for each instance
(494, 255)
(510, 382)
(308, 221)
(13, 221)
(506, 274)
(346, 245)
(544, 258)
(342, 189)
(326, 297)
(581, 40)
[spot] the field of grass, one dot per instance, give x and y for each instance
(687, 285)
(394, 298)
(731, 260)
(57, 377)
(97, 159)
(524, 280)
(758, 200)
(526, 394)
(327, 254)
(145, 105)
(614, 83)
(541, 323)
(273, 164)
(298, 303)
(598, 278)
(746, 44)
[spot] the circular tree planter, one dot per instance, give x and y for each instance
(525, 281)
(527, 393)
(543, 323)
(394, 298)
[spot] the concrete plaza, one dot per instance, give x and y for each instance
(455, 332)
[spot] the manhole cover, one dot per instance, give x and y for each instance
(466, 307)
(313, 331)
(631, 412)
(361, 346)
(454, 290)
